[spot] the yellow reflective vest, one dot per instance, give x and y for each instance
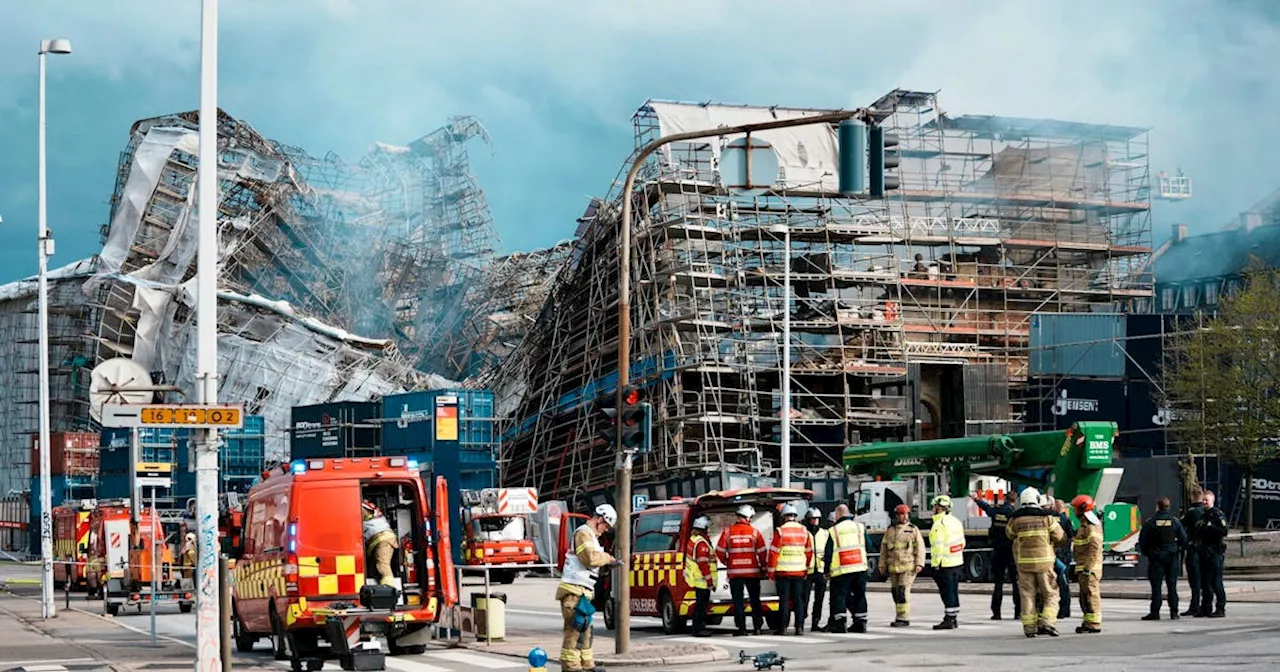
(946, 541)
(849, 553)
(696, 558)
(819, 564)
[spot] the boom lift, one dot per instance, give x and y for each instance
(1065, 464)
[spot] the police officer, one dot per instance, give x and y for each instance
(1002, 566)
(1191, 523)
(1213, 550)
(1035, 531)
(700, 573)
(790, 556)
(1063, 561)
(946, 551)
(815, 584)
(1162, 540)
(901, 558)
(846, 559)
(741, 548)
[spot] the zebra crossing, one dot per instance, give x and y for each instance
(438, 661)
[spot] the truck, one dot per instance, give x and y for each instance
(125, 550)
(71, 543)
(303, 576)
(1063, 463)
(496, 529)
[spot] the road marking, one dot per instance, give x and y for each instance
(482, 662)
(6, 664)
(403, 664)
(44, 668)
(851, 635)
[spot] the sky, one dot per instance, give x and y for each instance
(556, 82)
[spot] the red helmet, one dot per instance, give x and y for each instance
(903, 509)
(1081, 504)
(369, 506)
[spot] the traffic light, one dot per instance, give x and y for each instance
(635, 422)
(852, 138)
(881, 158)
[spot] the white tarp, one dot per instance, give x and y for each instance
(808, 156)
(148, 164)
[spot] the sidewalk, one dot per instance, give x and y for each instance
(643, 654)
(1118, 589)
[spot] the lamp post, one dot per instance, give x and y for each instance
(785, 231)
(44, 244)
(622, 534)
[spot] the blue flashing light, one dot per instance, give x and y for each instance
(293, 537)
(412, 464)
(298, 467)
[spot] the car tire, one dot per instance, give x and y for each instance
(610, 614)
(976, 567)
(672, 623)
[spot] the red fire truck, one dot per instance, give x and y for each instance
(71, 543)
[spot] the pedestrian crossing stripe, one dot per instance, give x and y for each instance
(432, 661)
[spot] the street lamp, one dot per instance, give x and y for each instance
(785, 232)
(45, 250)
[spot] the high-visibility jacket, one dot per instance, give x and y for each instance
(1086, 548)
(946, 541)
(699, 566)
(741, 548)
(583, 561)
(791, 552)
(1034, 531)
(820, 538)
(848, 546)
(902, 549)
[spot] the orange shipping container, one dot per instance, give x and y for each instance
(73, 453)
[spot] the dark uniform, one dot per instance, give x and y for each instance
(1060, 567)
(1002, 566)
(1162, 540)
(1213, 551)
(815, 584)
(1191, 523)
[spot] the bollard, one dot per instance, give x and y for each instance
(224, 612)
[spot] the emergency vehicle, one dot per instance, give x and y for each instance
(304, 576)
(124, 552)
(71, 543)
(660, 534)
(496, 529)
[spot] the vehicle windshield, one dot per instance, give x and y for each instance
(863, 503)
(500, 528)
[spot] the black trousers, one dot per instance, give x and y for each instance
(849, 595)
(1211, 563)
(752, 587)
(1162, 569)
(948, 581)
(1003, 568)
(701, 598)
(1194, 579)
(818, 584)
(791, 589)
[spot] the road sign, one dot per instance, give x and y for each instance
(638, 502)
(225, 416)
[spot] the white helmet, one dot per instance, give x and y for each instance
(746, 511)
(789, 509)
(609, 514)
(813, 512)
(701, 523)
(1029, 497)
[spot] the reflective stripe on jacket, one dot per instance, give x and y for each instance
(902, 549)
(741, 548)
(377, 531)
(1087, 549)
(1034, 532)
(699, 566)
(848, 539)
(582, 562)
(946, 541)
(791, 552)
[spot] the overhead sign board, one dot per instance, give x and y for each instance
(223, 416)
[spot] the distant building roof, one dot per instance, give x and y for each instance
(1217, 254)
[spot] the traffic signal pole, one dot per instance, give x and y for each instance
(622, 500)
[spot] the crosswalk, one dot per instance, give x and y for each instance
(438, 661)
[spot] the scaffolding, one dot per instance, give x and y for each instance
(909, 315)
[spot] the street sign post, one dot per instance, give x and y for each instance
(222, 416)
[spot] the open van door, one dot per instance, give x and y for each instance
(568, 523)
(444, 551)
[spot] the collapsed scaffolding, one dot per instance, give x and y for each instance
(909, 315)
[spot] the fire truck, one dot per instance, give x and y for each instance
(125, 551)
(660, 534)
(304, 577)
(496, 529)
(71, 543)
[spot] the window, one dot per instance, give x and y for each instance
(863, 504)
(1211, 293)
(1169, 298)
(1189, 296)
(657, 532)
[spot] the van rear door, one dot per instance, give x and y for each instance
(324, 531)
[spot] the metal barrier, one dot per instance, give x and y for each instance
(1245, 537)
(486, 569)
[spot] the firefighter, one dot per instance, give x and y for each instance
(846, 560)
(1162, 540)
(380, 542)
(1213, 553)
(790, 556)
(582, 565)
(1002, 566)
(1191, 524)
(700, 573)
(1035, 532)
(902, 557)
(187, 556)
(946, 546)
(1086, 549)
(816, 582)
(741, 548)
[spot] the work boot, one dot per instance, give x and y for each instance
(799, 629)
(739, 633)
(1030, 635)
(836, 626)
(702, 633)
(996, 617)
(1221, 613)
(1047, 630)
(1193, 611)
(948, 623)
(1151, 617)
(1087, 630)
(1173, 615)
(899, 623)
(819, 628)
(759, 629)
(859, 625)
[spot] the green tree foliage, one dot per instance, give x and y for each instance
(1223, 377)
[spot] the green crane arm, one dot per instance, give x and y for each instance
(1072, 461)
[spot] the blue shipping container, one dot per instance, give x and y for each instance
(155, 444)
(339, 429)
(457, 420)
(113, 485)
(1078, 344)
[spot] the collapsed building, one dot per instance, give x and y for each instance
(337, 281)
(910, 315)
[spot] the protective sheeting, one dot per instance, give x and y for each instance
(149, 160)
(808, 157)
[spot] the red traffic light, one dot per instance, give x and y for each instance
(633, 396)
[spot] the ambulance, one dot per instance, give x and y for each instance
(660, 534)
(71, 543)
(303, 566)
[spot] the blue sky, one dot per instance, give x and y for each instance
(556, 82)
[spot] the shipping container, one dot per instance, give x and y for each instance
(155, 444)
(113, 485)
(1056, 403)
(338, 429)
(436, 420)
(57, 493)
(73, 453)
(15, 519)
(1078, 345)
